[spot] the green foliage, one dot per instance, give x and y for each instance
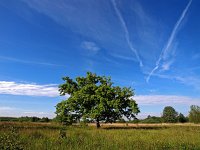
(194, 114)
(8, 119)
(135, 120)
(64, 115)
(181, 118)
(36, 135)
(96, 98)
(11, 140)
(35, 119)
(121, 120)
(24, 119)
(152, 119)
(44, 119)
(62, 133)
(169, 115)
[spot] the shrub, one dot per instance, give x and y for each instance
(11, 140)
(152, 119)
(62, 134)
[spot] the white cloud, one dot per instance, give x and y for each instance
(166, 100)
(5, 108)
(91, 46)
(38, 114)
(6, 111)
(13, 88)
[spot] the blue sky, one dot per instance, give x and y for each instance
(152, 46)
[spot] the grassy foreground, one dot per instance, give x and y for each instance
(55, 137)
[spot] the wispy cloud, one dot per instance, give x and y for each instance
(5, 108)
(196, 56)
(101, 23)
(11, 59)
(91, 46)
(166, 100)
(127, 36)
(167, 64)
(13, 88)
(92, 20)
(123, 57)
(166, 50)
(191, 81)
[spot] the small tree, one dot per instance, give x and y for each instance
(152, 119)
(44, 119)
(194, 114)
(181, 118)
(96, 98)
(34, 119)
(169, 115)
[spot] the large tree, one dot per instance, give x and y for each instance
(169, 114)
(96, 98)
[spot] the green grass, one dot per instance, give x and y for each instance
(55, 137)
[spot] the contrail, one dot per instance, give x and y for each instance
(165, 50)
(127, 36)
(29, 62)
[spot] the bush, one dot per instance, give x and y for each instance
(11, 140)
(152, 119)
(62, 134)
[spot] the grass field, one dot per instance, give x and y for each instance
(47, 136)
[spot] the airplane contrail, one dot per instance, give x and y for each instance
(127, 36)
(165, 50)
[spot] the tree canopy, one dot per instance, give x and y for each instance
(194, 114)
(181, 118)
(169, 114)
(96, 98)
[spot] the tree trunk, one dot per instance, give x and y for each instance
(97, 123)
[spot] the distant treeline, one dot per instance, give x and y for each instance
(25, 119)
(169, 115)
(155, 119)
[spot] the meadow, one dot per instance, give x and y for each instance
(51, 136)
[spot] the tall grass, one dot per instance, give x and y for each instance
(55, 137)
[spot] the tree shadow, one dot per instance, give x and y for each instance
(136, 127)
